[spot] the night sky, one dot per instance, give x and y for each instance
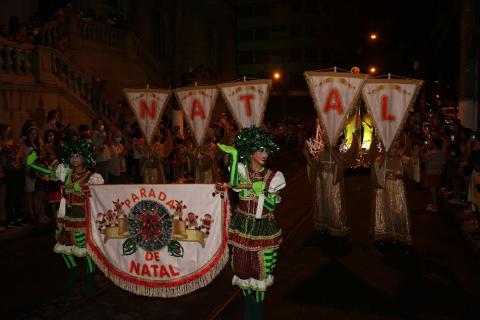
(408, 31)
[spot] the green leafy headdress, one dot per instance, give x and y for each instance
(81, 147)
(253, 139)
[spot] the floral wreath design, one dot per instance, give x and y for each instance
(150, 225)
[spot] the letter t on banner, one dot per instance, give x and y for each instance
(247, 101)
(147, 106)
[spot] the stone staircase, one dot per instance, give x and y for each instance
(36, 79)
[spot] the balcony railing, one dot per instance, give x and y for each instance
(70, 25)
(46, 65)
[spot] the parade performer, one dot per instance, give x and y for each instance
(206, 166)
(74, 172)
(391, 220)
(253, 232)
(325, 168)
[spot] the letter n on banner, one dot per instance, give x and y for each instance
(246, 101)
(334, 95)
(147, 105)
(388, 102)
(197, 104)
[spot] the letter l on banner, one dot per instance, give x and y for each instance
(388, 101)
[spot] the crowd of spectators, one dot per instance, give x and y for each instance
(122, 156)
(28, 32)
(450, 155)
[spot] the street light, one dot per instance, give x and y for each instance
(373, 36)
(372, 69)
(277, 75)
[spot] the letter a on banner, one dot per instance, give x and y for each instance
(246, 100)
(388, 101)
(197, 103)
(148, 106)
(334, 95)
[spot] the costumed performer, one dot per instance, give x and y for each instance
(206, 166)
(75, 173)
(253, 232)
(390, 217)
(325, 168)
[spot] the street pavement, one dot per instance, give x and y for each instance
(317, 277)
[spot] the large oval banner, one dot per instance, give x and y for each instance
(158, 240)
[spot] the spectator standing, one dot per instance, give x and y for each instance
(3, 212)
(100, 140)
(51, 122)
(117, 165)
(434, 168)
(14, 176)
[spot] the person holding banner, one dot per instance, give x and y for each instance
(391, 220)
(75, 173)
(325, 167)
(253, 232)
(206, 166)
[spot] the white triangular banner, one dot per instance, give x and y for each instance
(246, 100)
(334, 94)
(388, 101)
(148, 106)
(197, 103)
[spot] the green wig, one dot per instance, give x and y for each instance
(253, 139)
(81, 147)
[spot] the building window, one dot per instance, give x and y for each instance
(296, 30)
(295, 6)
(262, 10)
(160, 36)
(262, 56)
(278, 32)
(246, 57)
(245, 12)
(245, 35)
(309, 30)
(311, 54)
(278, 55)
(262, 34)
(310, 6)
(295, 54)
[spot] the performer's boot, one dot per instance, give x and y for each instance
(89, 284)
(258, 305)
(72, 273)
(89, 277)
(72, 278)
(248, 297)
